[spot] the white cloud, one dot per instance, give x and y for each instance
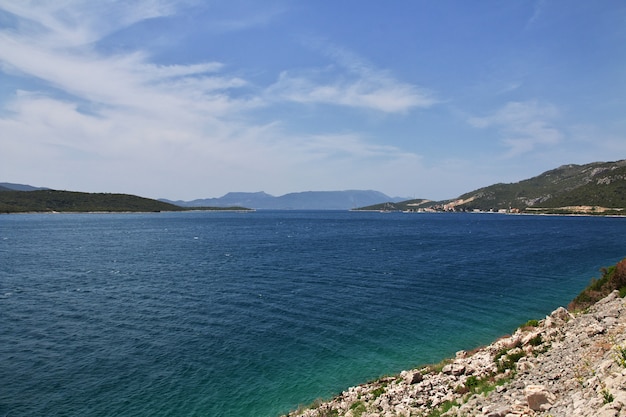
(122, 123)
(523, 126)
(352, 83)
(381, 93)
(252, 17)
(71, 23)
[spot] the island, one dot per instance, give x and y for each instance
(47, 201)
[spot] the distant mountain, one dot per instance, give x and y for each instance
(308, 200)
(7, 186)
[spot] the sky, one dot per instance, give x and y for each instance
(186, 99)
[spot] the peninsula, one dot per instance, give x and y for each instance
(597, 188)
(45, 200)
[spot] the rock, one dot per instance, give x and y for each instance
(455, 369)
(612, 296)
(501, 412)
(608, 411)
(561, 314)
(413, 377)
(594, 329)
(570, 373)
(538, 397)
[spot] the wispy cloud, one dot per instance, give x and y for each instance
(350, 82)
(68, 23)
(124, 119)
(254, 17)
(538, 10)
(522, 126)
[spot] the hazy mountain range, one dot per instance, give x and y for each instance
(307, 200)
(7, 186)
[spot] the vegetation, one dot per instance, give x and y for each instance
(596, 188)
(613, 278)
(621, 355)
(536, 341)
(400, 206)
(530, 323)
(507, 358)
(601, 184)
(358, 408)
(378, 391)
(437, 367)
(607, 396)
(70, 201)
(444, 408)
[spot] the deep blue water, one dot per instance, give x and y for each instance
(251, 314)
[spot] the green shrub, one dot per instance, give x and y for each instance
(442, 409)
(378, 392)
(607, 396)
(505, 360)
(621, 355)
(358, 408)
(472, 382)
(438, 367)
(530, 323)
(536, 341)
(327, 412)
(618, 277)
(613, 278)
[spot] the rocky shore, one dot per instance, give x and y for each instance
(564, 365)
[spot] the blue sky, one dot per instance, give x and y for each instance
(188, 99)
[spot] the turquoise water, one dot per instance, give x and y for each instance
(252, 314)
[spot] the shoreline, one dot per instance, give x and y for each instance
(133, 212)
(563, 365)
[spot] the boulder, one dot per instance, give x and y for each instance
(455, 369)
(538, 397)
(594, 329)
(561, 314)
(413, 377)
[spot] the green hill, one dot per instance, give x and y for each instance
(70, 201)
(595, 188)
(598, 186)
(400, 206)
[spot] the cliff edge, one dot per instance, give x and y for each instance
(564, 365)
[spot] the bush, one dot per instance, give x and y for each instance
(444, 408)
(618, 278)
(621, 355)
(613, 278)
(378, 392)
(504, 359)
(358, 408)
(536, 341)
(607, 396)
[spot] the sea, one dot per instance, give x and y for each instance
(254, 314)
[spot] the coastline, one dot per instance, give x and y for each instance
(192, 210)
(563, 365)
